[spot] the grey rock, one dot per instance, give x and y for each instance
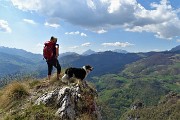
(66, 99)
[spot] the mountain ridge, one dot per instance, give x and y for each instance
(22, 53)
(177, 48)
(104, 62)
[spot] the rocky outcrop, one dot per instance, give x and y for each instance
(72, 102)
(137, 105)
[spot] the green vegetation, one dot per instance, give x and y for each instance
(118, 93)
(148, 81)
(167, 110)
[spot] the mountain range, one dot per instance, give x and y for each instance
(25, 62)
(103, 62)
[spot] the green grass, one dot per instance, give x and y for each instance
(34, 112)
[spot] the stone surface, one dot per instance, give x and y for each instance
(71, 102)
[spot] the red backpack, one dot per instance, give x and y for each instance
(48, 50)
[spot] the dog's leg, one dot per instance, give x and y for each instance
(65, 78)
(78, 82)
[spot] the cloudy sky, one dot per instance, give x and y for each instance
(79, 25)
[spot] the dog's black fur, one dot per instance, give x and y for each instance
(79, 73)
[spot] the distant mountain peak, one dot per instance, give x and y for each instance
(88, 52)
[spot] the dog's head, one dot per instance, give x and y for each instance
(88, 68)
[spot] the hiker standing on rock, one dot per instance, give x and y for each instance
(51, 53)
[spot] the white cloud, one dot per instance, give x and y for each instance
(4, 26)
(91, 4)
(27, 4)
(74, 47)
(114, 5)
(83, 34)
(178, 40)
(118, 44)
(101, 31)
(76, 33)
(51, 25)
(29, 21)
(86, 44)
(162, 19)
(72, 33)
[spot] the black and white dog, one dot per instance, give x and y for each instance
(79, 73)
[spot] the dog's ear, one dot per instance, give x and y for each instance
(88, 67)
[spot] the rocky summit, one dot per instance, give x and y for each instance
(40, 99)
(71, 102)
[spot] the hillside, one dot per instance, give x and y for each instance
(15, 61)
(157, 64)
(12, 63)
(147, 80)
(40, 99)
(167, 109)
(21, 53)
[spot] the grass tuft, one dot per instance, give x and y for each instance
(13, 92)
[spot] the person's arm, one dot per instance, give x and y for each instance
(57, 50)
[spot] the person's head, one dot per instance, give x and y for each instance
(53, 39)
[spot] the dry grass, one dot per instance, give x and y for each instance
(13, 92)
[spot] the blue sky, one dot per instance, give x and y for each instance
(79, 25)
